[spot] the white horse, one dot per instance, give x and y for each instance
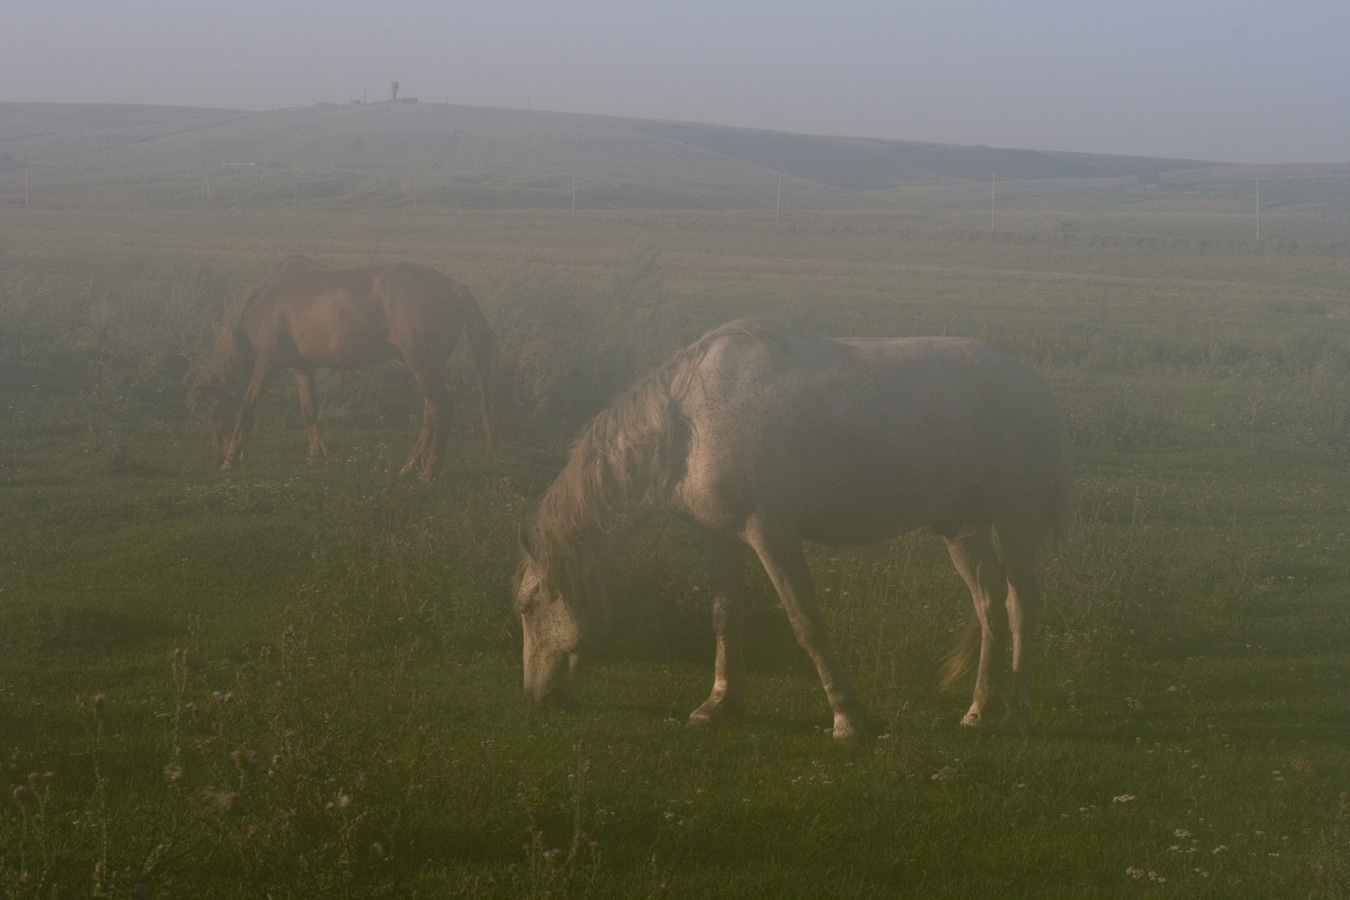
(764, 437)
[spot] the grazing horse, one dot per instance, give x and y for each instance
(306, 316)
(764, 437)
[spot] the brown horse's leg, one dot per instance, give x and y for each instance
(974, 556)
(785, 562)
(309, 412)
(431, 442)
(243, 423)
(726, 570)
(421, 445)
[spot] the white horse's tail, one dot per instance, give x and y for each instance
(1051, 530)
(963, 656)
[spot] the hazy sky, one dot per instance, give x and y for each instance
(1232, 81)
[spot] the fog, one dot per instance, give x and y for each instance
(1240, 82)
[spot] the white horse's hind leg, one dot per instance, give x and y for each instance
(726, 569)
(786, 564)
(975, 558)
(1019, 558)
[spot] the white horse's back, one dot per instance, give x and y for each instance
(857, 440)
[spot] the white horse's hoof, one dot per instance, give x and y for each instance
(849, 731)
(714, 713)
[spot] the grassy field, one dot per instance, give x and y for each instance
(293, 681)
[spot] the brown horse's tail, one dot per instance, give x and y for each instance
(483, 346)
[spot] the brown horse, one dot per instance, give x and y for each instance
(306, 316)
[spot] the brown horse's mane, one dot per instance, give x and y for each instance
(622, 467)
(226, 373)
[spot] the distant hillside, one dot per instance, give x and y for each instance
(864, 163)
(434, 154)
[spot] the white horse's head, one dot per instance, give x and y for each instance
(552, 638)
(556, 629)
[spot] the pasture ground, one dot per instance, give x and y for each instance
(287, 681)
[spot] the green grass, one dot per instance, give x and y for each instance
(296, 681)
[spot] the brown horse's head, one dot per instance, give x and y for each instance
(222, 408)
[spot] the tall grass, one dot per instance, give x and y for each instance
(295, 681)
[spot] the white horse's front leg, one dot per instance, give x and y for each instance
(785, 562)
(726, 570)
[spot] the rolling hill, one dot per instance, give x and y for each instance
(434, 154)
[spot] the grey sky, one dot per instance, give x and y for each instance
(1232, 81)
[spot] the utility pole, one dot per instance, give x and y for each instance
(1258, 210)
(993, 193)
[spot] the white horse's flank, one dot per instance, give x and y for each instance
(764, 437)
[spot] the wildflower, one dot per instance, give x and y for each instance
(1123, 798)
(220, 698)
(19, 791)
(98, 699)
(223, 800)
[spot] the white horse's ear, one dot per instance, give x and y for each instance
(523, 538)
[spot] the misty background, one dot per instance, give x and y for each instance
(1230, 82)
